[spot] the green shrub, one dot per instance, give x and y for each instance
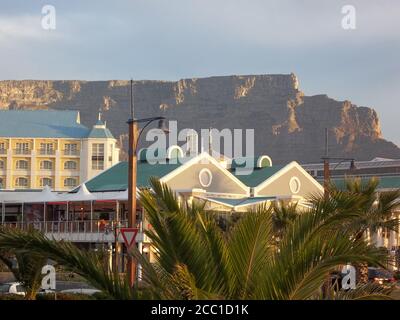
(64, 296)
(11, 297)
(101, 296)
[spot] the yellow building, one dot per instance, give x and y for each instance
(48, 147)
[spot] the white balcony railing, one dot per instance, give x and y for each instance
(76, 231)
(22, 151)
(47, 152)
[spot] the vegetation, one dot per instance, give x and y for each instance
(376, 212)
(274, 252)
(27, 269)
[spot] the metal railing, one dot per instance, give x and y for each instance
(54, 227)
(71, 152)
(46, 152)
(22, 151)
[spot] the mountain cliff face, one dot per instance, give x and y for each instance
(288, 125)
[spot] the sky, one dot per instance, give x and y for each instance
(174, 39)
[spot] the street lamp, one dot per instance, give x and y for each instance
(134, 136)
(327, 173)
(326, 159)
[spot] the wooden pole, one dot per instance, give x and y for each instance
(132, 172)
(116, 262)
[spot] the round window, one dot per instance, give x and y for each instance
(205, 177)
(294, 184)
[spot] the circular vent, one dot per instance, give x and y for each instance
(205, 177)
(294, 184)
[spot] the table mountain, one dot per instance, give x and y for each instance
(288, 124)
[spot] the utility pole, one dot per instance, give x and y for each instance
(134, 135)
(132, 172)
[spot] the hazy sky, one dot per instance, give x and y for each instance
(173, 39)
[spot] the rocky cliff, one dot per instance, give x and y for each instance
(288, 124)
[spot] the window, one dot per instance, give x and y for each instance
(22, 164)
(70, 165)
(22, 148)
(1, 164)
(46, 165)
(70, 182)
(70, 149)
(21, 182)
(46, 182)
(110, 157)
(97, 156)
(3, 148)
(1, 183)
(46, 148)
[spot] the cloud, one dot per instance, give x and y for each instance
(18, 31)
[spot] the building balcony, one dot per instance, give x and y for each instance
(44, 152)
(71, 152)
(22, 151)
(21, 172)
(75, 231)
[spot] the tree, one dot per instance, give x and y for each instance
(27, 271)
(376, 209)
(88, 264)
(195, 259)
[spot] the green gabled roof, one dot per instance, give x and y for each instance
(242, 162)
(116, 178)
(389, 182)
(258, 175)
(101, 133)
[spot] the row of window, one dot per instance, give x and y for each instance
(47, 148)
(44, 165)
(24, 182)
(44, 148)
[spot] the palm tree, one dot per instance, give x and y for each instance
(377, 212)
(27, 271)
(88, 264)
(283, 215)
(197, 260)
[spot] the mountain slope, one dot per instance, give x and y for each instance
(288, 125)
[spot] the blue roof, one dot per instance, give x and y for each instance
(100, 133)
(41, 124)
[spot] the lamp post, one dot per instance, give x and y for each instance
(326, 160)
(134, 136)
(327, 171)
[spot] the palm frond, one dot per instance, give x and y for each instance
(87, 264)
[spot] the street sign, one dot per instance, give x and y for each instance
(129, 236)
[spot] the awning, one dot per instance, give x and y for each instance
(46, 195)
(83, 194)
